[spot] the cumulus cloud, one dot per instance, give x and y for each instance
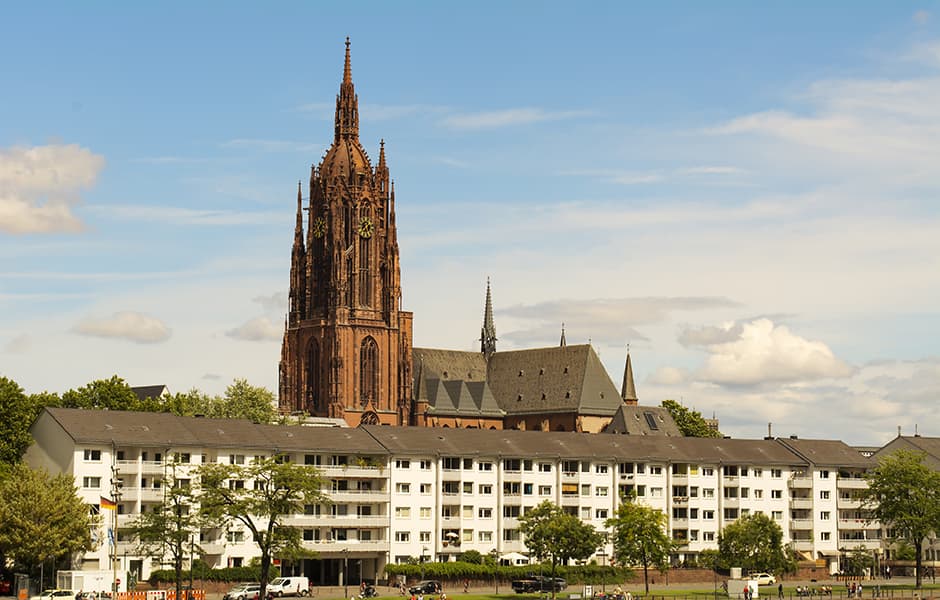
(761, 351)
(276, 303)
(256, 330)
(39, 187)
(128, 325)
(667, 376)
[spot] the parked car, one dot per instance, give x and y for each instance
(55, 595)
(538, 583)
(244, 591)
(289, 586)
(763, 578)
(428, 586)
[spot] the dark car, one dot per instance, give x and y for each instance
(538, 583)
(428, 586)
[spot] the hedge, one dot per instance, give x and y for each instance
(456, 571)
(204, 573)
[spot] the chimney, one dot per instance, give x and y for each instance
(770, 433)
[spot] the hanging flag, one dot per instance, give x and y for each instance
(110, 536)
(107, 504)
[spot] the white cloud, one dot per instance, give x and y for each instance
(256, 330)
(271, 145)
(188, 216)
(760, 352)
(127, 325)
(667, 376)
(39, 187)
(275, 303)
(508, 117)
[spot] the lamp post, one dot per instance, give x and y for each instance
(192, 543)
(345, 573)
(603, 555)
(424, 551)
(495, 554)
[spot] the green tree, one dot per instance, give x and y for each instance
(471, 556)
(755, 543)
(690, 422)
(552, 533)
(18, 413)
(245, 401)
(43, 517)
(271, 490)
(640, 537)
(857, 560)
(170, 527)
(904, 496)
(111, 394)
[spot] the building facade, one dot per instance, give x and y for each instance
(399, 493)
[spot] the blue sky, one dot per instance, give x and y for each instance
(745, 193)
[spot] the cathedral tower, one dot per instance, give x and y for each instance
(346, 351)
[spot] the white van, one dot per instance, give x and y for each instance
(289, 586)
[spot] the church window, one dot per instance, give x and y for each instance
(313, 375)
(365, 260)
(368, 371)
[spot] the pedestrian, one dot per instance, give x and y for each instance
(780, 591)
(466, 585)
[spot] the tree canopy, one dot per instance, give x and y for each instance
(43, 517)
(755, 543)
(260, 496)
(552, 533)
(690, 422)
(111, 394)
(18, 412)
(640, 537)
(904, 495)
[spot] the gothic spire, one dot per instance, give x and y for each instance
(347, 103)
(628, 391)
(488, 332)
(563, 342)
(299, 227)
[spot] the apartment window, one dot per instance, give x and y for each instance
(824, 536)
(585, 513)
(600, 469)
(545, 467)
(235, 537)
(776, 473)
(424, 489)
(467, 535)
(485, 489)
(776, 515)
(424, 512)
(656, 492)
(708, 472)
(708, 536)
(693, 513)
(680, 513)
(511, 512)
(824, 494)
(656, 470)
(182, 457)
(485, 536)
(402, 464)
(312, 509)
(403, 487)
(600, 514)
(468, 464)
(527, 465)
(527, 489)
(485, 513)
(91, 483)
(731, 514)
(545, 490)
(92, 455)
(512, 464)
(585, 466)
(402, 536)
(758, 494)
(708, 492)
(425, 465)
(468, 488)
(511, 488)
(236, 484)
(339, 460)
(693, 535)
(485, 466)
(708, 515)
(511, 535)
(758, 472)
(824, 474)
(776, 494)
(309, 535)
(745, 492)
(693, 492)
(236, 459)
(451, 463)
(402, 512)
(569, 466)
(600, 491)
(424, 536)
(640, 491)
(586, 489)
(824, 515)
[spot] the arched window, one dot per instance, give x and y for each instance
(368, 372)
(312, 393)
(366, 231)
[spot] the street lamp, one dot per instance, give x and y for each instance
(192, 538)
(345, 573)
(495, 554)
(603, 555)
(424, 550)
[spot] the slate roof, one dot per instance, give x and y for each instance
(631, 419)
(928, 445)
(833, 453)
(453, 383)
(149, 391)
(163, 430)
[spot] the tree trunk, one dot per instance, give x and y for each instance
(178, 569)
(265, 568)
(917, 562)
(553, 578)
(646, 579)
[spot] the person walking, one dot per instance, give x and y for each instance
(780, 591)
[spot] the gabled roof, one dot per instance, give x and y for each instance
(144, 392)
(631, 419)
(827, 453)
(930, 446)
(453, 383)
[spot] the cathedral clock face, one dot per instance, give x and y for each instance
(319, 227)
(366, 228)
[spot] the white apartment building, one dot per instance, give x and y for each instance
(431, 493)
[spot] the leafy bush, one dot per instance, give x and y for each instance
(202, 572)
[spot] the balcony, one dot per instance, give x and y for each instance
(853, 543)
(353, 546)
(359, 496)
(851, 483)
(848, 503)
(801, 503)
(331, 520)
(352, 471)
(731, 502)
(853, 524)
(214, 547)
(680, 500)
(801, 482)
(801, 524)
(150, 467)
(803, 545)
